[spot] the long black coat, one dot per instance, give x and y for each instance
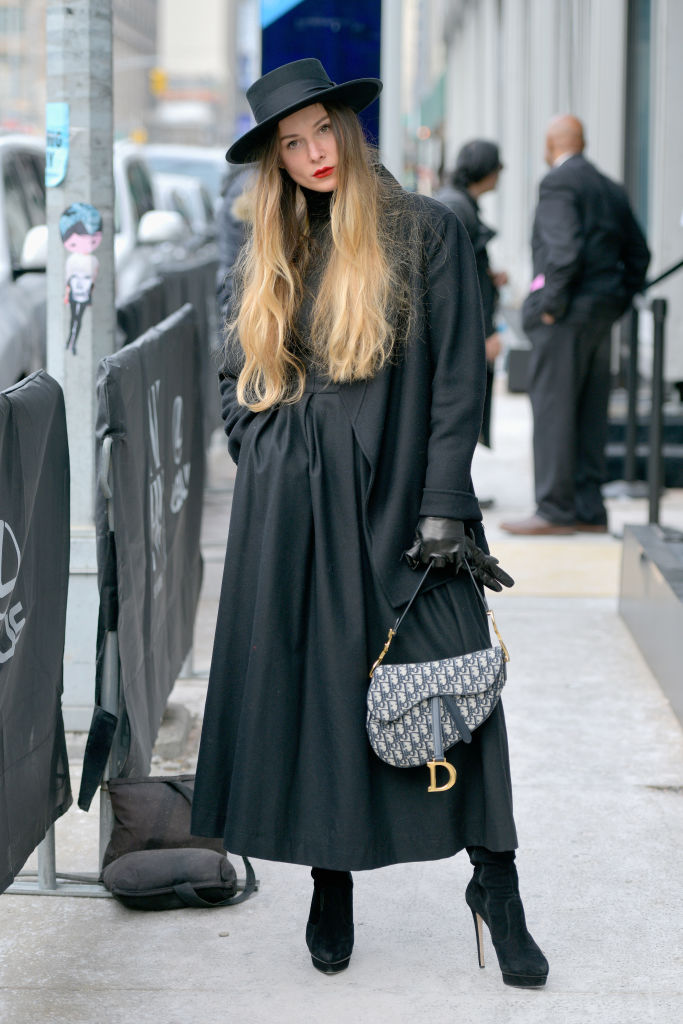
(418, 421)
(327, 495)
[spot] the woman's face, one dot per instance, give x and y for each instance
(308, 148)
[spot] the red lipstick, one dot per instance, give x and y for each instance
(323, 172)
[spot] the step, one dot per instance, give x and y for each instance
(672, 429)
(672, 459)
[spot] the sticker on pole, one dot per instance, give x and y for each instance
(57, 143)
(81, 229)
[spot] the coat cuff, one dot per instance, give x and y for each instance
(450, 504)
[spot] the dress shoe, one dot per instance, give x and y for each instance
(536, 526)
(590, 527)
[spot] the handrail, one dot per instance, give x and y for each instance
(655, 467)
(666, 273)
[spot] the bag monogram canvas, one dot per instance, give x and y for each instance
(417, 711)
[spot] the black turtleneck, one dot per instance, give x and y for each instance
(318, 204)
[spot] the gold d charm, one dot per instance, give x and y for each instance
(452, 775)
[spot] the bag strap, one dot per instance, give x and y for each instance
(186, 891)
(394, 629)
(191, 898)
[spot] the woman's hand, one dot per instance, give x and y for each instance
(486, 570)
(444, 542)
(439, 541)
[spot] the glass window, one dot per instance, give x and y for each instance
(140, 189)
(207, 204)
(16, 213)
(32, 171)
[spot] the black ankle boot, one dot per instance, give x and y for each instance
(493, 897)
(329, 932)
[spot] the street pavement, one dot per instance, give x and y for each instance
(597, 771)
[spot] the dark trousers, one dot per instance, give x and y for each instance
(569, 391)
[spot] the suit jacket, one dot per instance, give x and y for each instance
(587, 244)
(418, 420)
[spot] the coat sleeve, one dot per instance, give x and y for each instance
(455, 338)
(558, 224)
(236, 417)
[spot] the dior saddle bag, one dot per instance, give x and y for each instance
(417, 711)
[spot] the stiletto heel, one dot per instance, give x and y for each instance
(479, 933)
(493, 897)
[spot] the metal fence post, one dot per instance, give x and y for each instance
(47, 862)
(632, 406)
(655, 462)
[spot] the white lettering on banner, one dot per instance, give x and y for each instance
(10, 562)
(181, 478)
(156, 488)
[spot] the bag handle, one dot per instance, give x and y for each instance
(394, 629)
(191, 898)
(186, 891)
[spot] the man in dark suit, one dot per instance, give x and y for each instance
(589, 260)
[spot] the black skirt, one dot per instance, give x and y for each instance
(285, 770)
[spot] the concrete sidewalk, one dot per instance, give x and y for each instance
(598, 776)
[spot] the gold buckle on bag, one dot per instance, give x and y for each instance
(452, 776)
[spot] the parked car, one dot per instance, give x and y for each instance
(145, 239)
(22, 289)
(145, 236)
(191, 199)
(204, 162)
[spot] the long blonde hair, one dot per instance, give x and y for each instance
(363, 291)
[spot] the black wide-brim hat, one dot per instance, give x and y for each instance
(288, 89)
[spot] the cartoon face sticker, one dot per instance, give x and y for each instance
(81, 229)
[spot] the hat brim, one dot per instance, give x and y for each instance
(358, 95)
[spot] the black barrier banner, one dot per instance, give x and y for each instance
(142, 310)
(150, 405)
(195, 281)
(34, 577)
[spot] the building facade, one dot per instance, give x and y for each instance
(23, 64)
(512, 64)
(208, 53)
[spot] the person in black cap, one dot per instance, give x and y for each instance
(352, 392)
(477, 170)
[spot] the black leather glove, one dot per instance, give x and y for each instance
(439, 541)
(485, 568)
(443, 541)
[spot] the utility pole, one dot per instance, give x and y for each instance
(80, 287)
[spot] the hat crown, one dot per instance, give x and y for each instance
(283, 91)
(292, 83)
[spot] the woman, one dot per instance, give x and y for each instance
(352, 394)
